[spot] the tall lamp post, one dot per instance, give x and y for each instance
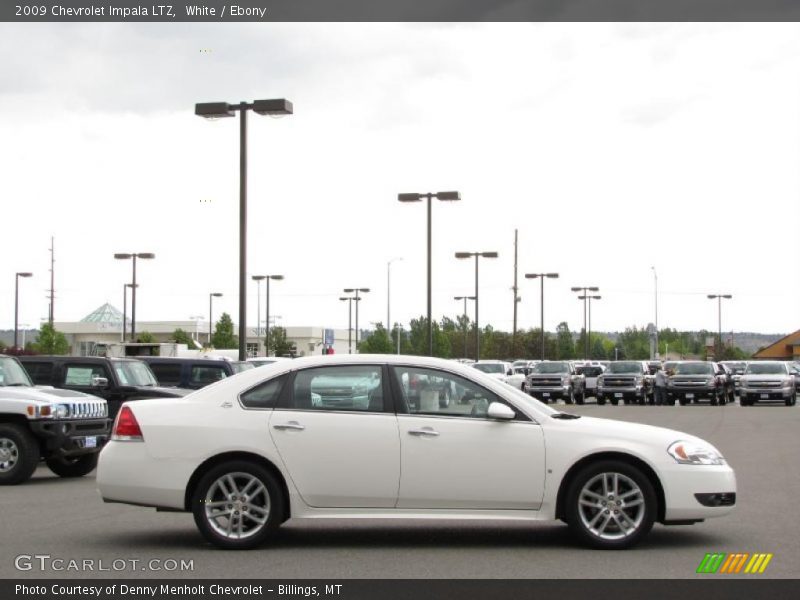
(465, 298)
(445, 197)
(211, 297)
(16, 303)
(589, 330)
(133, 256)
(389, 297)
(718, 298)
(357, 298)
(216, 110)
(585, 290)
(477, 255)
(655, 293)
(541, 277)
(259, 279)
(125, 308)
(349, 300)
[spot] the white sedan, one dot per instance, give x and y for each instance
(359, 436)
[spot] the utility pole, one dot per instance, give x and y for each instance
(516, 296)
(52, 286)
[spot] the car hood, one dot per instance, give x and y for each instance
(617, 431)
(42, 394)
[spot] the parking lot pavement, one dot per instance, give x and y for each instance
(66, 519)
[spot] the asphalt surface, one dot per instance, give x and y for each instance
(66, 519)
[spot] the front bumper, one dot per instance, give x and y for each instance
(766, 393)
(623, 393)
(548, 392)
(695, 492)
(692, 392)
(70, 437)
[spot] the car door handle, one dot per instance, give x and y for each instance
(424, 431)
(289, 425)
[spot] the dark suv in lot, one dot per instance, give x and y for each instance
(115, 379)
(193, 373)
(697, 380)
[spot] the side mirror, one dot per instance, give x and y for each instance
(498, 410)
(99, 382)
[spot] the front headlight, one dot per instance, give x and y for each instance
(62, 411)
(565, 380)
(693, 453)
(600, 380)
(638, 380)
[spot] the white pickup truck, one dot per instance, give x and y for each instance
(64, 428)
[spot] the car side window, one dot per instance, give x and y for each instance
(438, 393)
(82, 375)
(40, 372)
(166, 373)
(357, 388)
(264, 395)
(207, 375)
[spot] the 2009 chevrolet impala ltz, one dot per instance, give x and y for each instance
(401, 437)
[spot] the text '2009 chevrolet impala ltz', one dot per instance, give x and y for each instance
(401, 437)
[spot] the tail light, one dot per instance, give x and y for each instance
(126, 427)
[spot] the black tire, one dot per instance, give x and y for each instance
(670, 401)
(72, 467)
(614, 401)
(642, 518)
(601, 401)
(269, 500)
(570, 398)
(682, 401)
(20, 454)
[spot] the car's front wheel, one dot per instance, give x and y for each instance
(72, 467)
(237, 505)
(19, 454)
(611, 505)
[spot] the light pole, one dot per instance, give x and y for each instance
(589, 330)
(655, 281)
(349, 300)
(266, 335)
(477, 255)
(541, 277)
(125, 287)
(211, 297)
(465, 298)
(259, 279)
(357, 298)
(585, 289)
(216, 110)
(445, 197)
(389, 296)
(16, 304)
(133, 256)
(719, 298)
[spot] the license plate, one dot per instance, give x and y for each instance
(689, 396)
(764, 396)
(618, 395)
(90, 442)
(546, 394)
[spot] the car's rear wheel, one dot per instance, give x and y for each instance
(19, 454)
(237, 505)
(77, 466)
(611, 505)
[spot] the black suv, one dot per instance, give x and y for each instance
(115, 379)
(193, 373)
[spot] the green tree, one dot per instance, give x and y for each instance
(50, 341)
(377, 343)
(145, 337)
(2, 346)
(564, 344)
(223, 337)
(418, 339)
(279, 344)
(179, 336)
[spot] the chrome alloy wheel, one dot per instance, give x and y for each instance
(611, 506)
(237, 505)
(9, 454)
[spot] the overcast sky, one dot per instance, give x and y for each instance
(612, 148)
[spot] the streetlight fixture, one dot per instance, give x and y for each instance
(464, 298)
(125, 287)
(389, 299)
(655, 281)
(258, 279)
(216, 110)
(356, 291)
(133, 256)
(477, 255)
(349, 300)
(211, 296)
(16, 304)
(718, 298)
(541, 277)
(444, 197)
(585, 290)
(589, 330)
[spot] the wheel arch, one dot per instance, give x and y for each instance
(629, 459)
(238, 455)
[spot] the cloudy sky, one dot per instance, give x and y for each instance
(612, 148)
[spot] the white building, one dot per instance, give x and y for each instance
(104, 326)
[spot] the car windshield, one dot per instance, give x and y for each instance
(625, 367)
(490, 367)
(134, 372)
(553, 367)
(11, 373)
(238, 366)
(766, 369)
(694, 369)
